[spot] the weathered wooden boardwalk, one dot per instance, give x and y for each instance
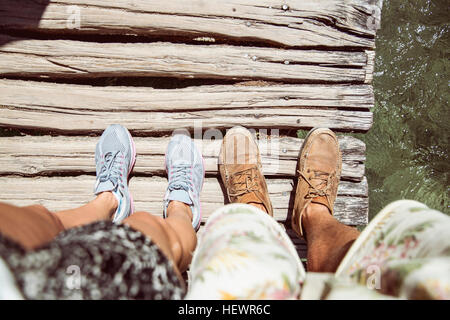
(70, 68)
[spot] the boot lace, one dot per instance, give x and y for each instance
(314, 192)
(243, 182)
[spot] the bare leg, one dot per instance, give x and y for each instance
(34, 226)
(328, 240)
(30, 227)
(174, 235)
(101, 208)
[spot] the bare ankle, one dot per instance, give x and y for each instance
(314, 209)
(108, 200)
(177, 206)
(312, 216)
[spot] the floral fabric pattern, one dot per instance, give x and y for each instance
(408, 244)
(244, 254)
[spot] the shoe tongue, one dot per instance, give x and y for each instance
(181, 162)
(180, 195)
(104, 186)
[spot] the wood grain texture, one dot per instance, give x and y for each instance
(64, 97)
(330, 23)
(45, 155)
(82, 109)
(59, 193)
(76, 59)
(148, 123)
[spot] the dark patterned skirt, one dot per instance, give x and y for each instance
(98, 261)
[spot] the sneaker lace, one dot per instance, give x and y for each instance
(179, 178)
(243, 182)
(111, 170)
(314, 192)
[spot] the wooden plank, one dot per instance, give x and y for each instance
(330, 23)
(59, 193)
(38, 155)
(61, 97)
(68, 58)
(370, 65)
(65, 108)
(146, 123)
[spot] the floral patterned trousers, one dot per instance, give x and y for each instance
(245, 254)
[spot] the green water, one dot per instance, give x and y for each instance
(407, 147)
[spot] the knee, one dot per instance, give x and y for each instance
(142, 216)
(144, 221)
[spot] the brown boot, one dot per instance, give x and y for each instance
(240, 169)
(319, 172)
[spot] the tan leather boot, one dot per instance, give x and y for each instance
(240, 169)
(319, 172)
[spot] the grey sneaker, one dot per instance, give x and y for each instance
(115, 155)
(186, 173)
